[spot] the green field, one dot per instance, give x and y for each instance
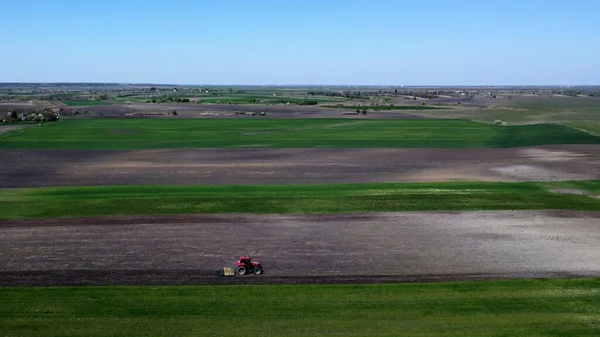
(85, 102)
(296, 199)
(500, 308)
(130, 98)
(259, 100)
(61, 94)
(582, 112)
(119, 134)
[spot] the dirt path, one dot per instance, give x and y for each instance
(377, 247)
(37, 168)
(8, 128)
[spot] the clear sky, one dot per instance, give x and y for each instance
(378, 42)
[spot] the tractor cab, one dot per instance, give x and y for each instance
(245, 260)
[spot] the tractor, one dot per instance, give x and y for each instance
(245, 265)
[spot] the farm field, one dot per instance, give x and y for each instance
(516, 308)
(581, 112)
(232, 97)
(387, 107)
(300, 248)
(106, 134)
(292, 199)
(349, 216)
(243, 166)
(85, 103)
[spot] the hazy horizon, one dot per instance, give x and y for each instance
(315, 85)
(336, 43)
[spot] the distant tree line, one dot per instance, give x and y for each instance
(344, 94)
(168, 99)
(45, 115)
(308, 102)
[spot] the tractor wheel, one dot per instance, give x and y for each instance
(241, 270)
(258, 270)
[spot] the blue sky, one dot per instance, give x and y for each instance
(378, 42)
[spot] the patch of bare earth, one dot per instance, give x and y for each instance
(8, 128)
(575, 192)
(541, 164)
(378, 247)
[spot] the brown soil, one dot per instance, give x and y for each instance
(37, 168)
(377, 247)
(229, 111)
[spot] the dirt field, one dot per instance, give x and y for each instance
(377, 247)
(227, 111)
(37, 168)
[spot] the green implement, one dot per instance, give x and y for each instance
(226, 271)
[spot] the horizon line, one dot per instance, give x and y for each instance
(312, 85)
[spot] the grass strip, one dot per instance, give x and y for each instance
(481, 308)
(85, 102)
(290, 199)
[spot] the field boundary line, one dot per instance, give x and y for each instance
(580, 129)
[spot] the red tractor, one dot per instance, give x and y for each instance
(245, 265)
